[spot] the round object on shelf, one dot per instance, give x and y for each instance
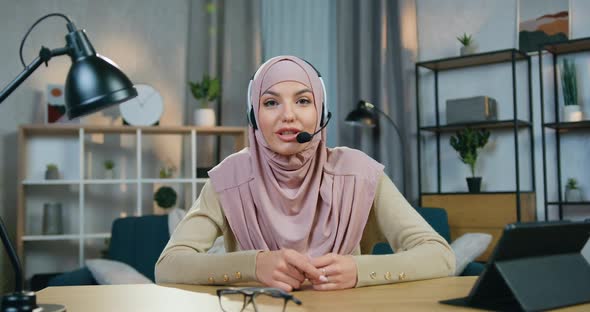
(145, 109)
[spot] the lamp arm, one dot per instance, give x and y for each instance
(402, 142)
(13, 258)
(399, 133)
(44, 56)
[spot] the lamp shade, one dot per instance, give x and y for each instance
(363, 115)
(94, 83)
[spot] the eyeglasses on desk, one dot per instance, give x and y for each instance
(248, 296)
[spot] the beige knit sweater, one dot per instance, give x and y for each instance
(420, 252)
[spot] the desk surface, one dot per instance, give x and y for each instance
(410, 296)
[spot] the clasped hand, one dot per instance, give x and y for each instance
(287, 269)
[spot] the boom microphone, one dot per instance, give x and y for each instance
(304, 137)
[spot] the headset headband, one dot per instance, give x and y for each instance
(250, 112)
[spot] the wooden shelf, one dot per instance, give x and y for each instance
(111, 181)
(198, 180)
(486, 58)
(500, 124)
(62, 237)
(68, 129)
(582, 203)
(468, 193)
(51, 182)
(570, 46)
(580, 125)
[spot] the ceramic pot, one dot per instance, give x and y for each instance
(466, 50)
(573, 195)
(52, 174)
(109, 174)
(204, 117)
(474, 184)
(572, 113)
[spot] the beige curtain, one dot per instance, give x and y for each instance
(376, 53)
(225, 43)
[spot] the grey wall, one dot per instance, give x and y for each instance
(146, 38)
(493, 25)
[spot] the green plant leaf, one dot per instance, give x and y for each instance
(569, 84)
(165, 197)
(214, 90)
(572, 184)
(208, 89)
(109, 164)
(467, 142)
(465, 39)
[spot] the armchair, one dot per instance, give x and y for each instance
(438, 219)
(135, 241)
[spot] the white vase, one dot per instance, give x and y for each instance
(572, 113)
(109, 174)
(52, 219)
(470, 49)
(573, 195)
(204, 117)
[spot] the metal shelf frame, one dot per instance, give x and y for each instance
(511, 56)
(560, 128)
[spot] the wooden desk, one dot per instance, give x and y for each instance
(411, 296)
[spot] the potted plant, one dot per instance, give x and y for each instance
(467, 142)
(572, 191)
(467, 44)
(165, 197)
(109, 165)
(167, 171)
(569, 86)
(51, 172)
(205, 92)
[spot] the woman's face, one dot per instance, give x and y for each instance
(286, 109)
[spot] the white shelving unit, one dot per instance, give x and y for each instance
(76, 185)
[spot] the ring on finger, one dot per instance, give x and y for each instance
(324, 273)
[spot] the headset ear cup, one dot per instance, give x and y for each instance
(253, 119)
(322, 118)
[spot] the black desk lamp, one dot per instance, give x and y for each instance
(93, 83)
(364, 116)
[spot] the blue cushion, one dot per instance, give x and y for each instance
(473, 269)
(81, 276)
(138, 242)
(382, 248)
(438, 219)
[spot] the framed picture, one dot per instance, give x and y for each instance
(55, 109)
(541, 22)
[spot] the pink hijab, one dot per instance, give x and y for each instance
(316, 201)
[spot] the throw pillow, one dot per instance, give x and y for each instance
(468, 247)
(174, 217)
(218, 246)
(110, 272)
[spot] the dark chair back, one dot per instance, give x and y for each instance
(138, 242)
(436, 217)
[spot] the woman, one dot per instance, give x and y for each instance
(293, 211)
